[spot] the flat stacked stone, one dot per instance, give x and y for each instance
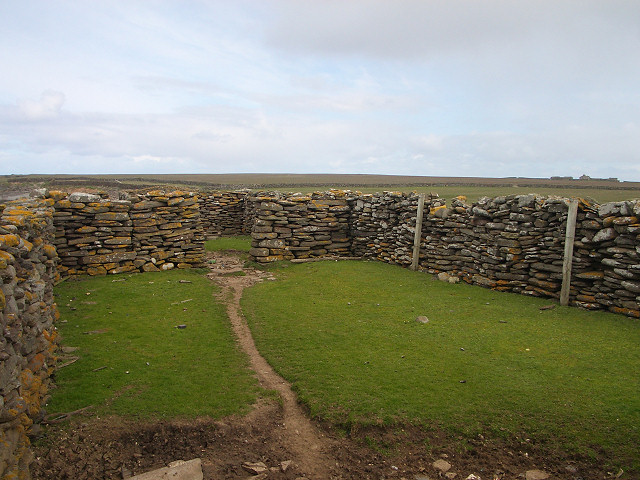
(223, 213)
(383, 225)
(167, 232)
(93, 234)
(27, 315)
(608, 244)
(141, 232)
(300, 226)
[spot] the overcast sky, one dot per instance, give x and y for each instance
(492, 88)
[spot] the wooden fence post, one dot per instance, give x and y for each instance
(568, 252)
(417, 237)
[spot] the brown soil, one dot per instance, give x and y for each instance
(279, 434)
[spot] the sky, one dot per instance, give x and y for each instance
(474, 88)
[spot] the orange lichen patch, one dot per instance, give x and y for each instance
(462, 198)
(36, 363)
(590, 275)
(6, 259)
(625, 220)
(9, 240)
(435, 209)
(626, 311)
(57, 194)
(96, 271)
(586, 298)
(156, 193)
(51, 337)
(3, 300)
(175, 201)
(50, 251)
(63, 204)
(178, 193)
(28, 245)
(105, 203)
(32, 390)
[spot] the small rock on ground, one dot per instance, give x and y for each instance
(442, 465)
(536, 475)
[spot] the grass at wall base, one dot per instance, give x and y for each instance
(345, 335)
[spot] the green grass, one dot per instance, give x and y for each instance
(345, 335)
(153, 369)
(238, 243)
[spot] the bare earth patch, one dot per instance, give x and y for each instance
(279, 435)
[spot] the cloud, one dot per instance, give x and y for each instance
(456, 87)
(47, 106)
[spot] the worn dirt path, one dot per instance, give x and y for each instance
(310, 448)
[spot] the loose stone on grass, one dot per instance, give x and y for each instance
(442, 465)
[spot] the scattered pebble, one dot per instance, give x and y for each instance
(442, 465)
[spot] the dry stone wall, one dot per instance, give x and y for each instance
(27, 313)
(511, 243)
(225, 213)
(143, 232)
(516, 244)
(300, 226)
(383, 225)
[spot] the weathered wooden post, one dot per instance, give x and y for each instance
(568, 252)
(417, 237)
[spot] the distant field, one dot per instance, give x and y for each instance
(447, 187)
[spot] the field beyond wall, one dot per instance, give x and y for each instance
(446, 187)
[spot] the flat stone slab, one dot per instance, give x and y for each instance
(178, 470)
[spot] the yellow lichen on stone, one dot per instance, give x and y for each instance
(177, 193)
(28, 245)
(50, 251)
(9, 240)
(156, 193)
(63, 203)
(6, 259)
(57, 195)
(435, 209)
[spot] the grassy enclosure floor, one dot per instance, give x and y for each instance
(345, 335)
(237, 243)
(150, 345)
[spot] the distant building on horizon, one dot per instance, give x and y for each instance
(610, 179)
